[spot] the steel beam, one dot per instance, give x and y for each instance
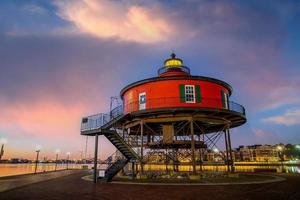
(230, 151)
(193, 146)
(227, 149)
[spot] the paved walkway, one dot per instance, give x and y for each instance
(12, 182)
(74, 187)
(268, 179)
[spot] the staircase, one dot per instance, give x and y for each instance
(128, 153)
(122, 146)
(113, 169)
(102, 124)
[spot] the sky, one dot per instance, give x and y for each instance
(62, 60)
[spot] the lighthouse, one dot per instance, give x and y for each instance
(175, 115)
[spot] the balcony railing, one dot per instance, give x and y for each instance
(99, 120)
(175, 102)
(173, 69)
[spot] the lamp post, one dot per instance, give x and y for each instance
(297, 146)
(68, 156)
(3, 141)
(57, 152)
(216, 151)
(37, 150)
(279, 148)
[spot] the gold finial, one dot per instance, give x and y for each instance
(173, 55)
(173, 61)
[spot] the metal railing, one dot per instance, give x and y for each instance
(116, 112)
(173, 69)
(99, 120)
(175, 102)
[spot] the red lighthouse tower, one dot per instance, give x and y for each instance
(175, 116)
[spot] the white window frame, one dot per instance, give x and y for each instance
(142, 106)
(226, 100)
(185, 93)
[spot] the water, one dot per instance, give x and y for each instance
(17, 169)
(27, 168)
(223, 168)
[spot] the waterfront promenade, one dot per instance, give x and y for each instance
(12, 182)
(74, 187)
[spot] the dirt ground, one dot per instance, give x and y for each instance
(73, 187)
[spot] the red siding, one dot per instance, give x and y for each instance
(166, 93)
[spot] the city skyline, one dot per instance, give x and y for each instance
(63, 60)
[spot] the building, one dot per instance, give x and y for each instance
(257, 153)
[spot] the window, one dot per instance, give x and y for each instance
(224, 98)
(142, 101)
(189, 93)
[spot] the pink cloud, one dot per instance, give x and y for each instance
(115, 19)
(50, 124)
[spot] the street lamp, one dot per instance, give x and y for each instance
(216, 151)
(297, 147)
(37, 150)
(57, 151)
(68, 156)
(279, 148)
(3, 141)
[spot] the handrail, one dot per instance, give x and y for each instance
(171, 102)
(97, 121)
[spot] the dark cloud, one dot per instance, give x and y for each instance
(68, 68)
(241, 43)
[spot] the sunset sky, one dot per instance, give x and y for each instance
(61, 60)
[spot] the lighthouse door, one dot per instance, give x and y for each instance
(142, 101)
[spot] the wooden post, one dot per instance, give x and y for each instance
(95, 158)
(193, 146)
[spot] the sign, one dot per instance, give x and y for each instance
(101, 173)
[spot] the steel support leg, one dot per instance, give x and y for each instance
(142, 147)
(230, 151)
(226, 146)
(193, 147)
(132, 169)
(95, 158)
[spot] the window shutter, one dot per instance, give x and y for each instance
(223, 99)
(182, 93)
(198, 94)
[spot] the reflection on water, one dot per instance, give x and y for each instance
(220, 167)
(25, 168)
(17, 169)
(280, 169)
